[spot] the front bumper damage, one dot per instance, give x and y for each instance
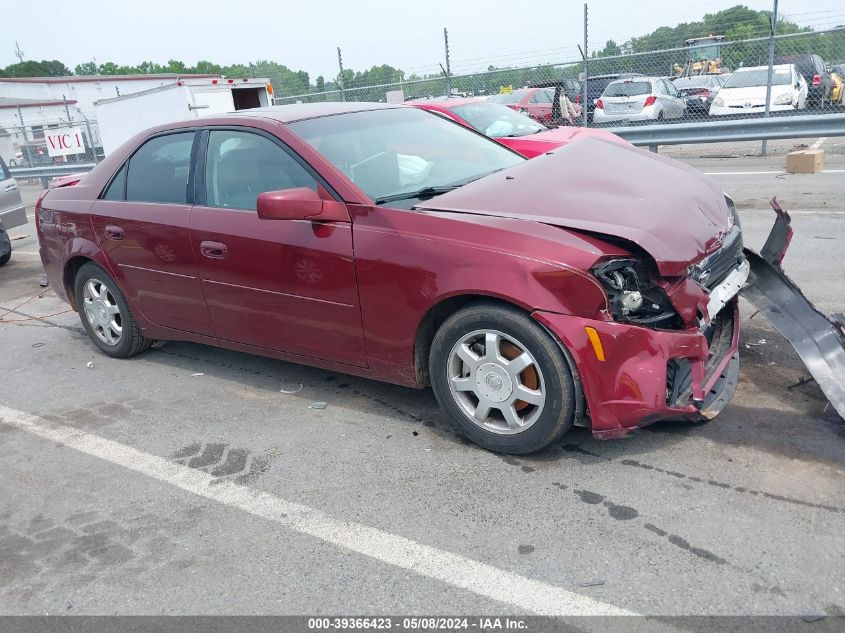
(649, 375)
(818, 340)
(645, 375)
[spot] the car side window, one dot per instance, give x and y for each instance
(158, 171)
(659, 88)
(117, 189)
(241, 165)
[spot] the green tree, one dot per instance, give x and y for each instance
(88, 68)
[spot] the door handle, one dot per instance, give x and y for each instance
(114, 232)
(11, 187)
(214, 250)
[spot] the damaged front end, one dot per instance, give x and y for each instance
(818, 340)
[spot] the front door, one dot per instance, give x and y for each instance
(286, 285)
(141, 221)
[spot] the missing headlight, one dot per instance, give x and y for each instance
(633, 297)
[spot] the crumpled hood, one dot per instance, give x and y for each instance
(672, 211)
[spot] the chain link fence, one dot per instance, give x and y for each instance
(702, 80)
(57, 142)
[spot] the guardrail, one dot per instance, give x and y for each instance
(732, 131)
(51, 171)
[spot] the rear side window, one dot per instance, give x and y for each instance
(542, 96)
(158, 171)
(4, 171)
(628, 89)
(117, 189)
(240, 165)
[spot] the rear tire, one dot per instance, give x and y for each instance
(4, 259)
(481, 387)
(105, 314)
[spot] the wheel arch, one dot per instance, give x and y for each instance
(436, 315)
(69, 273)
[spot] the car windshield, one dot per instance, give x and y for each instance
(398, 150)
(628, 89)
(756, 77)
(508, 97)
(496, 120)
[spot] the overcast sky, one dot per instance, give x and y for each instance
(304, 35)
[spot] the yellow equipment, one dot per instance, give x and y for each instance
(704, 56)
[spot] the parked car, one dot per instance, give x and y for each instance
(745, 91)
(816, 75)
(12, 211)
(596, 86)
(698, 91)
(535, 102)
(512, 129)
(639, 99)
(599, 278)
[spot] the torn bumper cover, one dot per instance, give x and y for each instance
(646, 375)
(819, 341)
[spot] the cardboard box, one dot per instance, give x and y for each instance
(808, 161)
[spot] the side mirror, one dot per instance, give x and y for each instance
(300, 203)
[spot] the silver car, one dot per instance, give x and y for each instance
(12, 211)
(639, 99)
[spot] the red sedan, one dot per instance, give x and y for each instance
(535, 102)
(595, 285)
(510, 128)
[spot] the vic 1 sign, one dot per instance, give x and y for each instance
(62, 141)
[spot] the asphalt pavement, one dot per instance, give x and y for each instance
(196, 480)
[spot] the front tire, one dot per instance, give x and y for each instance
(106, 315)
(502, 379)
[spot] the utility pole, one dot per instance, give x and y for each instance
(448, 67)
(764, 146)
(18, 51)
(340, 77)
(586, 75)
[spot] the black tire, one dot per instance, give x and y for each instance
(4, 259)
(131, 340)
(558, 412)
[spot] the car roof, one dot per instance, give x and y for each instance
(774, 67)
(300, 111)
(446, 103)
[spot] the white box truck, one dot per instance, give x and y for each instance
(120, 118)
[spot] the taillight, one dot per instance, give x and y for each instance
(599, 105)
(817, 80)
(650, 101)
(702, 92)
(577, 98)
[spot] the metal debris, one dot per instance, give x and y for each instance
(317, 405)
(90, 364)
(199, 373)
(296, 389)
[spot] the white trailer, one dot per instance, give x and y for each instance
(120, 118)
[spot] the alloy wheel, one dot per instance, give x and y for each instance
(496, 382)
(102, 312)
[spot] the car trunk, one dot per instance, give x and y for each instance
(626, 97)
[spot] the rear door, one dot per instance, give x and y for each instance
(141, 222)
(286, 285)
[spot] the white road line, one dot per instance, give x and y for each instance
(755, 173)
(452, 569)
(818, 143)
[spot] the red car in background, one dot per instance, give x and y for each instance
(513, 129)
(535, 102)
